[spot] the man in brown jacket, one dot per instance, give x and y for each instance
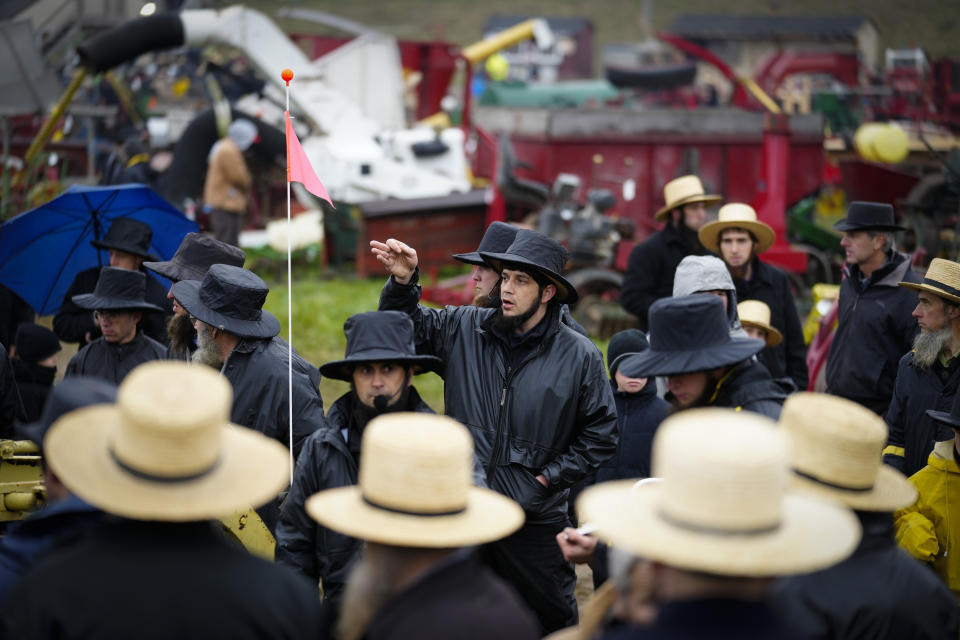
(227, 187)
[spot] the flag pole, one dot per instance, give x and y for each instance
(287, 76)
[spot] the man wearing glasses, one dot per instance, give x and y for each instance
(118, 304)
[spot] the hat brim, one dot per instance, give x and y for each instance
(100, 244)
(843, 225)
(891, 491)
(709, 234)
(251, 471)
(470, 258)
(923, 286)
(566, 292)
(93, 301)
(944, 417)
(343, 369)
(187, 294)
(774, 337)
(175, 271)
(812, 534)
(665, 363)
(706, 198)
(488, 516)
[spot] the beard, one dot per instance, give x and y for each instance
(180, 331)
(370, 586)
(509, 325)
(207, 352)
(488, 300)
(928, 346)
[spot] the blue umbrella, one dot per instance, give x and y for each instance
(42, 250)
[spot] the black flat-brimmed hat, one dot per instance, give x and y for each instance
(117, 289)
(951, 419)
(496, 239)
(195, 255)
(70, 394)
(532, 251)
(688, 334)
(868, 216)
(230, 299)
(379, 336)
(128, 235)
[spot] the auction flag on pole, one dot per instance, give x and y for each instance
(299, 168)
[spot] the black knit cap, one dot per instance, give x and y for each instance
(622, 343)
(35, 343)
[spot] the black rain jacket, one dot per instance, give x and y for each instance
(912, 433)
(325, 462)
(551, 413)
(113, 362)
(749, 387)
(875, 328)
(257, 370)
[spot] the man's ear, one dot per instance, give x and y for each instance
(548, 292)
(953, 311)
(138, 316)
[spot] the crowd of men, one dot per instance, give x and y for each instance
(717, 497)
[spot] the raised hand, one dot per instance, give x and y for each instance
(399, 259)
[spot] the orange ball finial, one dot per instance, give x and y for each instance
(287, 75)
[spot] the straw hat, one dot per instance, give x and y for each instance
(754, 313)
(166, 450)
(723, 506)
(942, 279)
(836, 454)
(416, 488)
(681, 191)
(736, 215)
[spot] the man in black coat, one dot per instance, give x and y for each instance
(879, 592)
(652, 264)
(380, 363)
(929, 374)
(738, 237)
(8, 395)
(166, 462)
(690, 344)
(874, 326)
(532, 391)
(418, 512)
(34, 363)
(128, 242)
(196, 253)
(117, 304)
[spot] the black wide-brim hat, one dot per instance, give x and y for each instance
(496, 239)
(868, 216)
(532, 251)
(128, 235)
(197, 253)
(379, 336)
(951, 418)
(230, 299)
(117, 289)
(688, 334)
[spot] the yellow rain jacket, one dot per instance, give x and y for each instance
(928, 530)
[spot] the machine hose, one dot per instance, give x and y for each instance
(128, 41)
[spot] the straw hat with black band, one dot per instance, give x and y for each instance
(230, 299)
(755, 313)
(724, 506)
(128, 235)
(535, 252)
(416, 489)
(941, 279)
(736, 215)
(496, 239)
(836, 453)
(117, 289)
(682, 191)
(379, 336)
(197, 253)
(166, 450)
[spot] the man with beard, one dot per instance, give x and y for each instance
(653, 263)
(118, 305)
(532, 391)
(929, 375)
(128, 243)
(34, 360)
(196, 254)
(738, 237)
(690, 344)
(874, 324)
(379, 365)
(419, 514)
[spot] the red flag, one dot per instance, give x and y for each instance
(299, 168)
